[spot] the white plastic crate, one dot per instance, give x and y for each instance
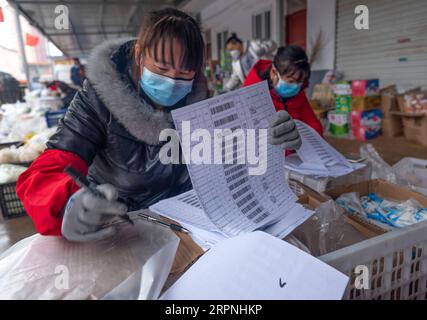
(397, 264)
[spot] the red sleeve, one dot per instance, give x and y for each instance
(251, 78)
(45, 189)
(308, 116)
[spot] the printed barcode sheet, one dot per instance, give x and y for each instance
(234, 200)
(315, 152)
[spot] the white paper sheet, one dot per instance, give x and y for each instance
(316, 157)
(235, 201)
(257, 266)
(187, 211)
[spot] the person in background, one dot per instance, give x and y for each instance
(243, 60)
(77, 73)
(111, 131)
(287, 77)
(67, 93)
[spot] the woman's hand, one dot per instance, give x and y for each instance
(86, 214)
(283, 132)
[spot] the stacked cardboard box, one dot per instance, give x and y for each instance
(366, 125)
(392, 125)
(414, 101)
(415, 127)
(365, 95)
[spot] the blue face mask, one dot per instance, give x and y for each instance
(163, 90)
(287, 90)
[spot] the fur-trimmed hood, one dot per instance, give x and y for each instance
(126, 105)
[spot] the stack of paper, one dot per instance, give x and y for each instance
(318, 158)
(187, 211)
(257, 266)
(232, 197)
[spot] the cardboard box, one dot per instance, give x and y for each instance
(365, 88)
(365, 103)
(366, 125)
(414, 126)
(320, 111)
(388, 104)
(389, 100)
(413, 101)
(299, 183)
(384, 189)
(392, 126)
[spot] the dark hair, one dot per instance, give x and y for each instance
(290, 60)
(233, 39)
(169, 25)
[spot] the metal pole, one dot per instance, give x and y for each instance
(280, 25)
(21, 45)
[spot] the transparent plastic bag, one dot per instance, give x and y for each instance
(380, 169)
(414, 172)
(392, 213)
(327, 231)
(134, 264)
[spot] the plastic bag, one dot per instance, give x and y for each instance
(380, 169)
(391, 213)
(28, 152)
(132, 265)
(414, 172)
(327, 231)
(10, 173)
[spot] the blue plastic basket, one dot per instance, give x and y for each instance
(53, 117)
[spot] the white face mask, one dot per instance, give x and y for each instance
(235, 54)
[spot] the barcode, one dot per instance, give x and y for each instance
(261, 218)
(238, 183)
(249, 207)
(255, 213)
(222, 108)
(233, 170)
(246, 199)
(241, 192)
(226, 120)
(232, 156)
(236, 176)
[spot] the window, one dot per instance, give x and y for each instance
(261, 26)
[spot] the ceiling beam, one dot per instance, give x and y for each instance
(89, 33)
(79, 44)
(131, 13)
(101, 18)
(95, 2)
(34, 23)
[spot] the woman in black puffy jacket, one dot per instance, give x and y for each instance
(112, 127)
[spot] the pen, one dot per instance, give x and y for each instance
(172, 226)
(83, 182)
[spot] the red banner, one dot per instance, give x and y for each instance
(31, 40)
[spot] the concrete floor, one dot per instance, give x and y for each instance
(391, 149)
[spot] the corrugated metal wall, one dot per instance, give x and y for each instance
(394, 49)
